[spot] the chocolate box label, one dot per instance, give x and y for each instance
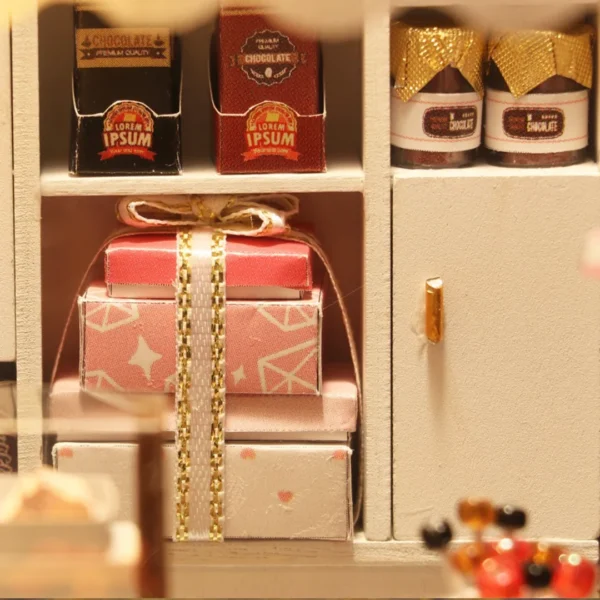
(268, 57)
(128, 129)
(450, 122)
(272, 130)
(533, 123)
(102, 48)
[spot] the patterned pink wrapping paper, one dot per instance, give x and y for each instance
(250, 262)
(272, 347)
(333, 412)
(272, 491)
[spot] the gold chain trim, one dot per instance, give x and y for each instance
(184, 358)
(217, 457)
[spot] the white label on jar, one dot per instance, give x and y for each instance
(536, 123)
(437, 122)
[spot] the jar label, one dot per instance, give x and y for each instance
(109, 47)
(437, 122)
(536, 123)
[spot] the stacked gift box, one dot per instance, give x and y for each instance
(289, 419)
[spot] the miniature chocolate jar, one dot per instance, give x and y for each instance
(537, 98)
(437, 91)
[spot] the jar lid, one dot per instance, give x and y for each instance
(418, 54)
(528, 58)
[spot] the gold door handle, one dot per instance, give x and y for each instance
(434, 310)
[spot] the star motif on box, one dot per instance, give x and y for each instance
(144, 357)
(108, 316)
(103, 381)
(294, 318)
(273, 377)
(239, 375)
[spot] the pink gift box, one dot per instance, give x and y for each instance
(329, 417)
(272, 491)
(145, 266)
(272, 347)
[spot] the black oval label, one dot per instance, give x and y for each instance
(451, 122)
(533, 123)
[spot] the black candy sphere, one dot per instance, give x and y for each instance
(436, 536)
(536, 576)
(511, 517)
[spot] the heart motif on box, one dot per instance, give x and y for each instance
(285, 496)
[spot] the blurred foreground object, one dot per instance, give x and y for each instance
(59, 537)
(508, 567)
(332, 18)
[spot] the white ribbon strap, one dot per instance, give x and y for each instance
(200, 392)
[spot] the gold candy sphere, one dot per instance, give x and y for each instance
(476, 513)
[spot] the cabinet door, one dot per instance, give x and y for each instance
(508, 406)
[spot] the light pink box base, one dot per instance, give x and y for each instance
(283, 491)
(272, 347)
(329, 417)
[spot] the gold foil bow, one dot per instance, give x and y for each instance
(418, 54)
(254, 216)
(528, 58)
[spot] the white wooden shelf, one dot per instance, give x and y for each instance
(311, 569)
(343, 175)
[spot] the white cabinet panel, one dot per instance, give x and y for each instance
(509, 404)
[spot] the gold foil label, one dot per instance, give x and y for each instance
(418, 54)
(108, 47)
(528, 58)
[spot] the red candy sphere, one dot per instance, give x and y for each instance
(574, 577)
(519, 550)
(500, 577)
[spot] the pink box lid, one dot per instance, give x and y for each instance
(151, 259)
(335, 411)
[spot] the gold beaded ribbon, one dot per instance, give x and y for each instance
(200, 392)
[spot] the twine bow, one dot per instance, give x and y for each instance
(253, 216)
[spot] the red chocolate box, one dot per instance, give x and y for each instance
(268, 100)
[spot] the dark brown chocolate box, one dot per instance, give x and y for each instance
(126, 99)
(267, 93)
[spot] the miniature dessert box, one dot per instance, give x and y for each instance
(268, 101)
(126, 99)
